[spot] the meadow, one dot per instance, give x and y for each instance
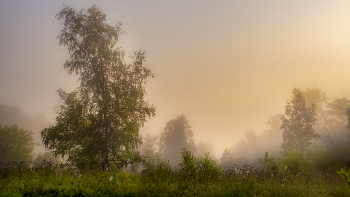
(193, 177)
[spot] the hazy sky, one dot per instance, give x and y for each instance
(226, 65)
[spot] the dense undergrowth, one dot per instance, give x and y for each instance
(193, 177)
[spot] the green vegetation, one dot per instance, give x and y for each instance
(47, 156)
(177, 134)
(16, 144)
(297, 125)
(97, 134)
(270, 167)
(99, 121)
(295, 162)
(193, 177)
(345, 173)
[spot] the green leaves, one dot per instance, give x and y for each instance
(345, 174)
(101, 119)
(297, 123)
(177, 135)
(200, 169)
(269, 164)
(16, 144)
(294, 161)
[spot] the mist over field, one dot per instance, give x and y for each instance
(229, 67)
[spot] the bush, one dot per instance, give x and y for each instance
(189, 166)
(294, 162)
(208, 168)
(200, 169)
(345, 173)
(270, 166)
(329, 160)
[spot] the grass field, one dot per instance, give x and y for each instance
(61, 180)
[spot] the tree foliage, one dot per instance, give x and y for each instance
(149, 152)
(297, 124)
(315, 97)
(177, 135)
(226, 159)
(16, 144)
(248, 149)
(270, 166)
(348, 117)
(274, 126)
(295, 161)
(335, 136)
(10, 115)
(203, 148)
(46, 157)
(338, 111)
(100, 120)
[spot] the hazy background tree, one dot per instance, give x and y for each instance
(337, 111)
(319, 99)
(273, 125)
(315, 97)
(226, 160)
(177, 134)
(297, 124)
(253, 145)
(100, 120)
(150, 151)
(247, 147)
(271, 139)
(46, 157)
(10, 115)
(348, 116)
(203, 148)
(16, 144)
(334, 146)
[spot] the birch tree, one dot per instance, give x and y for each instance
(100, 120)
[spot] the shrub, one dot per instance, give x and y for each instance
(200, 169)
(329, 160)
(270, 166)
(345, 173)
(208, 168)
(294, 161)
(189, 166)
(161, 172)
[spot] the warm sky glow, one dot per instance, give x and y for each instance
(226, 65)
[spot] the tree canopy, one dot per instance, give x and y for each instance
(297, 123)
(177, 135)
(16, 144)
(203, 148)
(10, 115)
(100, 120)
(338, 110)
(273, 124)
(46, 157)
(149, 151)
(348, 115)
(226, 159)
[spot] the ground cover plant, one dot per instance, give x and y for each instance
(193, 177)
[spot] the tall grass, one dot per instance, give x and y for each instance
(193, 177)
